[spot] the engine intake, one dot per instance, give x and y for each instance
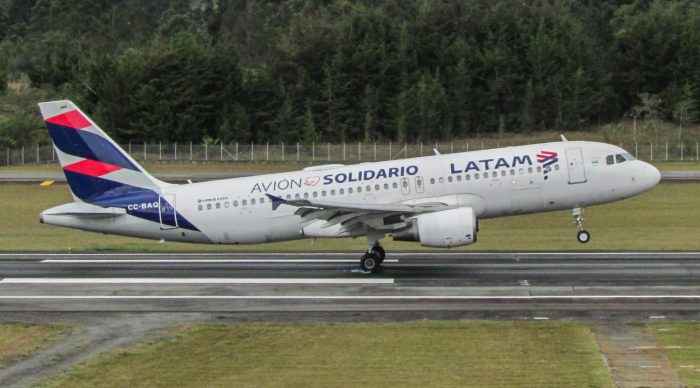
(443, 229)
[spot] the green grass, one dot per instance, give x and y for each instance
(665, 218)
(462, 353)
(21, 340)
(684, 340)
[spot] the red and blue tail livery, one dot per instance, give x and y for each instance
(98, 171)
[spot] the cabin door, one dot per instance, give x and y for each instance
(574, 159)
(167, 212)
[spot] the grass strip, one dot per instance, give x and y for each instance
(682, 343)
(21, 340)
(413, 354)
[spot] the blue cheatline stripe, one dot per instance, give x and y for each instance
(144, 202)
(88, 145)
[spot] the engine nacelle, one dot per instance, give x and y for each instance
(443, 229)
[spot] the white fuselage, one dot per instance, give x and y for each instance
(494, 183)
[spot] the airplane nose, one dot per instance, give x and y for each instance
(652, 176)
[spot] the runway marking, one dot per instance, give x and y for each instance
(324, 254)
(194, 261)
(196, 281)
(348, 297)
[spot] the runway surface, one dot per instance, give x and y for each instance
(481, 282)
(183, 177)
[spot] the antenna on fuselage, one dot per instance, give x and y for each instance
(563, 138)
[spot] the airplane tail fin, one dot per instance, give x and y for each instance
(96, 167)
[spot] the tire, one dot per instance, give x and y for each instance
(379, 252)
(583, 236)
(369, 263)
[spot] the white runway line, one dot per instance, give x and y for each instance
(347, 297)
(352, 254)
(203, 261)
(196, 281)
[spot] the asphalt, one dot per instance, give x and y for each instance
(484, 283)
(182, 177)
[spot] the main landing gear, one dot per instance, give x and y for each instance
(373, 258)
(583, 236)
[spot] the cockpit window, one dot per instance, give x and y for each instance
(628, 156)
(619, 158)
(610, 159)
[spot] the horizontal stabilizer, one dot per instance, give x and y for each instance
(83, 210)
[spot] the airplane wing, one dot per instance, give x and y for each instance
(351, 215)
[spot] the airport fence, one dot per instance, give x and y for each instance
(323, 152)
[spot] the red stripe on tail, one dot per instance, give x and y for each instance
(92, 168)
(72, 119)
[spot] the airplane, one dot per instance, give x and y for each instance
(435, 200)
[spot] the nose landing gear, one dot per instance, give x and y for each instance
(583, 236)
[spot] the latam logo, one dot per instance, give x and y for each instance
(547, 159)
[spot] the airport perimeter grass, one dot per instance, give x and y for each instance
(425, 353)
(682, 342)
(665, 218)
(21, 340)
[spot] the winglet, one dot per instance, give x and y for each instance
(276, 201)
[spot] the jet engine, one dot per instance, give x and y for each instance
(442, 229)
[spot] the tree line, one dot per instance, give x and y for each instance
(339, 70)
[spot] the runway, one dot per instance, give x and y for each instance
(480, 283)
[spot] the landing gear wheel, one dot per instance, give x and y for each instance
(379, 252)
(583, 236)
(369, 262)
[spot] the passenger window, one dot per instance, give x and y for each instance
(405, 183)
(376, 187)
(486, 175)
(252, 201)
(442, 180)
(539, 168)
(306, 195)
(449, 179)
(368, 188)
(476, 176)
(432, 181)
(235, 203)
(386, 186)
(297, 196)
(610, 159)
(394, 185)
(243, 202)
(315, 194)
(503, 172)
(226, 204)
(556, 167)
(333, 192)
(200, 207)
(512, 172)
(619, 158)
(468, 177)
(323, 193)
(529, 170)
(521, 171)
(349, 190)
(262, 200)
(208, 206)
(359, 189)
(494, 174)
(342, 191)
(459, 178)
